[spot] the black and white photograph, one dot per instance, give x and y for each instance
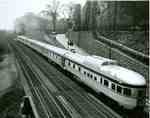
(74, 59)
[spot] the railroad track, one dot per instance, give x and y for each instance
(64, 98)
(43, 113)
(93, 111)
(42, 91)
(61, 88)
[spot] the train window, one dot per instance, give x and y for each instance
(84, 73)
(95, 78)
(88, 74)
(113, 86)
(79, 69)
(91, 76)
(68, 63)
(101, 80)
(119, 89)
(127, 91)
(73, 65)
(106, 83)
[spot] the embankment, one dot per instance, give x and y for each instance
(86, 41)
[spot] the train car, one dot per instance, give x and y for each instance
(103, 75)
(52, 52)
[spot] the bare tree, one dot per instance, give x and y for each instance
(68, 9)
(31, 24)
(52, 10)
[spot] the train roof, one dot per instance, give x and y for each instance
(124, 75)
(47, 46)
(110, 68)
(75, 57)
(96, 61)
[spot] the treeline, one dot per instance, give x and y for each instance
(31, 23)
(126, 22)
(114, 15)
(94, 15)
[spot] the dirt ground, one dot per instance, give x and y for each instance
(11, 91)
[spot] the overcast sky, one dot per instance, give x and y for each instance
(11, 9)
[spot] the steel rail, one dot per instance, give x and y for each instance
(78, 94)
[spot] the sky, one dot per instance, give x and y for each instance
(12, 9)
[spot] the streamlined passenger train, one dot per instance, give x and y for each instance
(103, 75)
